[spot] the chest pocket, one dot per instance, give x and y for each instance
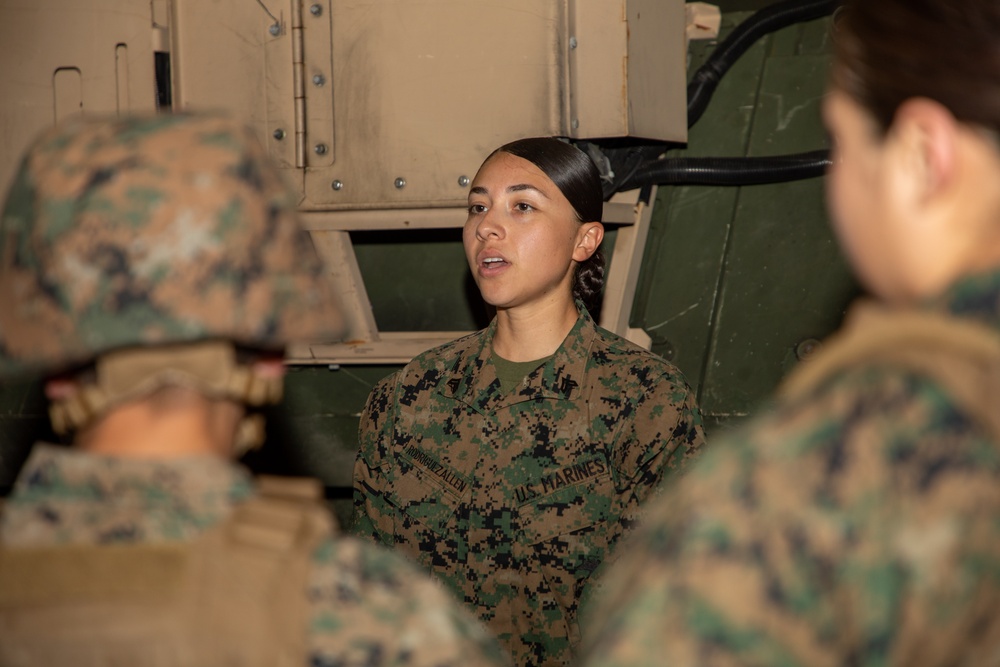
(567, 500)
(426, 491)
(565, 535)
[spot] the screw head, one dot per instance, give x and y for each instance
(316, 10)
(807, 348)
(572, 42)
(279, 134)
(275, 29)
(319, 79)
(400, 183)
(337, 185)
(463, 181)
(320, 149)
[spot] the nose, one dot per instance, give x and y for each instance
(490, 225)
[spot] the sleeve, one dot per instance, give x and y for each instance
(661, 436)
(373, 516)
(371, 607)
(659, 439)
(850, 529)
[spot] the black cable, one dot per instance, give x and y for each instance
(730, 170)
(765, 21)
(636, 165)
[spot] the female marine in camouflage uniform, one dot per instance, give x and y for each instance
(509, 462)
(858, 523)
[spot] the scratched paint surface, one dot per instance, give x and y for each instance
(676, 298)
(784, 281)
(761, 271)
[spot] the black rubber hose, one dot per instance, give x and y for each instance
(730, 170)
(769, 19)
(636, 164)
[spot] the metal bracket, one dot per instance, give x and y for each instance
(629, 212)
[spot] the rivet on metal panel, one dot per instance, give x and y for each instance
(337, 185)
(463, 181)
(807, 348)
(400, 183)
(279, 134)
(572, 42)
(320, 149)
(319, 79)
(316, 10)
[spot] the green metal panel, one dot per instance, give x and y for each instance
(784, 281)
(419, 280)
(690, 225)
(735, 280)
(314, 431)
(810, 38)
(23, 420)
(732, 6)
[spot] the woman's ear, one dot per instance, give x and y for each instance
(588, 238)
(923, 144)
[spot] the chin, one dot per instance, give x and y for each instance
(894, 295)
(499, 301)
(499, 304)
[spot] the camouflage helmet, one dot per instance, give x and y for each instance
(153, 230)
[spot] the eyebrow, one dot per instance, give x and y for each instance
(520, 187)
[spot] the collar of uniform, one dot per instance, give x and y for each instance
(66, 495)
(976, 297)
(476, 383)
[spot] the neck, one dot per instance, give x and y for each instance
(164, 427)
(532, 332)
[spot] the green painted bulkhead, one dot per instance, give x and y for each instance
(737, 284)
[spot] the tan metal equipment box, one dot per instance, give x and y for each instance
(379, 110)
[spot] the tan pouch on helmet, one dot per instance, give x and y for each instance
(962, 356)
(210, 367)
(235, 596)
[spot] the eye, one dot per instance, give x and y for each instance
(476, 209)
(524, 207)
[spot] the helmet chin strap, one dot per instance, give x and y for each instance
(210, 367)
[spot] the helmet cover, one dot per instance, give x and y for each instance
(153, 230)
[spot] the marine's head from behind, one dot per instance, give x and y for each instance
(915, 122)
(155, 256)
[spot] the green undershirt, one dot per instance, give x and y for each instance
(511, 373)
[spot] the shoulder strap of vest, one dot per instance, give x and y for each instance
(286, 513)
(962, 356)
(263, 554)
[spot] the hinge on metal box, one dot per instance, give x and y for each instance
(299, 83)
(311, 73)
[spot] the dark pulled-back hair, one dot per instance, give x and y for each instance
(947, 50)
(577, 178)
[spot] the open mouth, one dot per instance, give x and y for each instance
(491, 261)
